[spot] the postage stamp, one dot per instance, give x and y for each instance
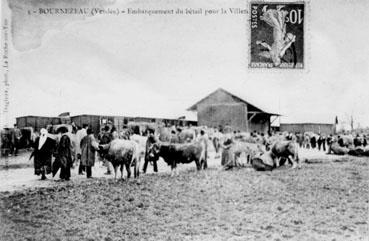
(277, 35)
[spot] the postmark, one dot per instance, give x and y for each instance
(277, 35)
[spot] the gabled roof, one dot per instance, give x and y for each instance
(250, 106)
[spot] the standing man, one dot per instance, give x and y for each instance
(42, 154)
(300, 139)
(151, 139)
(105, 137)
(216, 141)
(17, 135)
(324, 139)
(365, 142)
(63, 157)
(81, 133)
(313, 142)
(89, 146)
(319, 142)
(227, 160)
(357, 141)
(204, 138)
(329, 143)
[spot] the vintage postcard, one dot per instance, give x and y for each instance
(277, 35)
(184, 120)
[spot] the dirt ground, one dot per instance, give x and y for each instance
(325, 200)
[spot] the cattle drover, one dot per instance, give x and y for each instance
(151, 139)
(282, 40)
(63, 157)
(79, 136)
(42, 154)
(88, 148)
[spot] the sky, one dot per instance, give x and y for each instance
(161, 65)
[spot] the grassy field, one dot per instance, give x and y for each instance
(325, 200)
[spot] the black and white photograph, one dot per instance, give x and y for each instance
(184, 120)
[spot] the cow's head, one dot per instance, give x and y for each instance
(103, 150)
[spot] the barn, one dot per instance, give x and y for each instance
(222, 108)
(322, 128)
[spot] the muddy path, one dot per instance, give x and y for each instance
(325, 200)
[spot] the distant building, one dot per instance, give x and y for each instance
(322, 128)
(221, 108)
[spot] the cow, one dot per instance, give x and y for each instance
(249, 149)
(123, 153)
(338, 149)
(271, 140)
(300, 139)
(270, 160)
(306, 142)
(357, 151)
(285, 149)
(175, 153)
(141, 141)
(264, 162)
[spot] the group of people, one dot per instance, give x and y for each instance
(311, 140)
(67, 149)
(322, 142)
(11, 141)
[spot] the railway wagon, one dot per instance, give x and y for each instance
(37, 122)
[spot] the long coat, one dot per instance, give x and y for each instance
(88, 150)
(64, 156)
(42, 157)
(79, 136)
(227, 159)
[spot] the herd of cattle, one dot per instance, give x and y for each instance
(188, 145)
(176, 146)
(127, 149)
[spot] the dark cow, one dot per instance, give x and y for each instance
(174, 154)
(287, 150)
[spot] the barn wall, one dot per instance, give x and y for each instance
(215, 115)
(260, 123)
(307, 127)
